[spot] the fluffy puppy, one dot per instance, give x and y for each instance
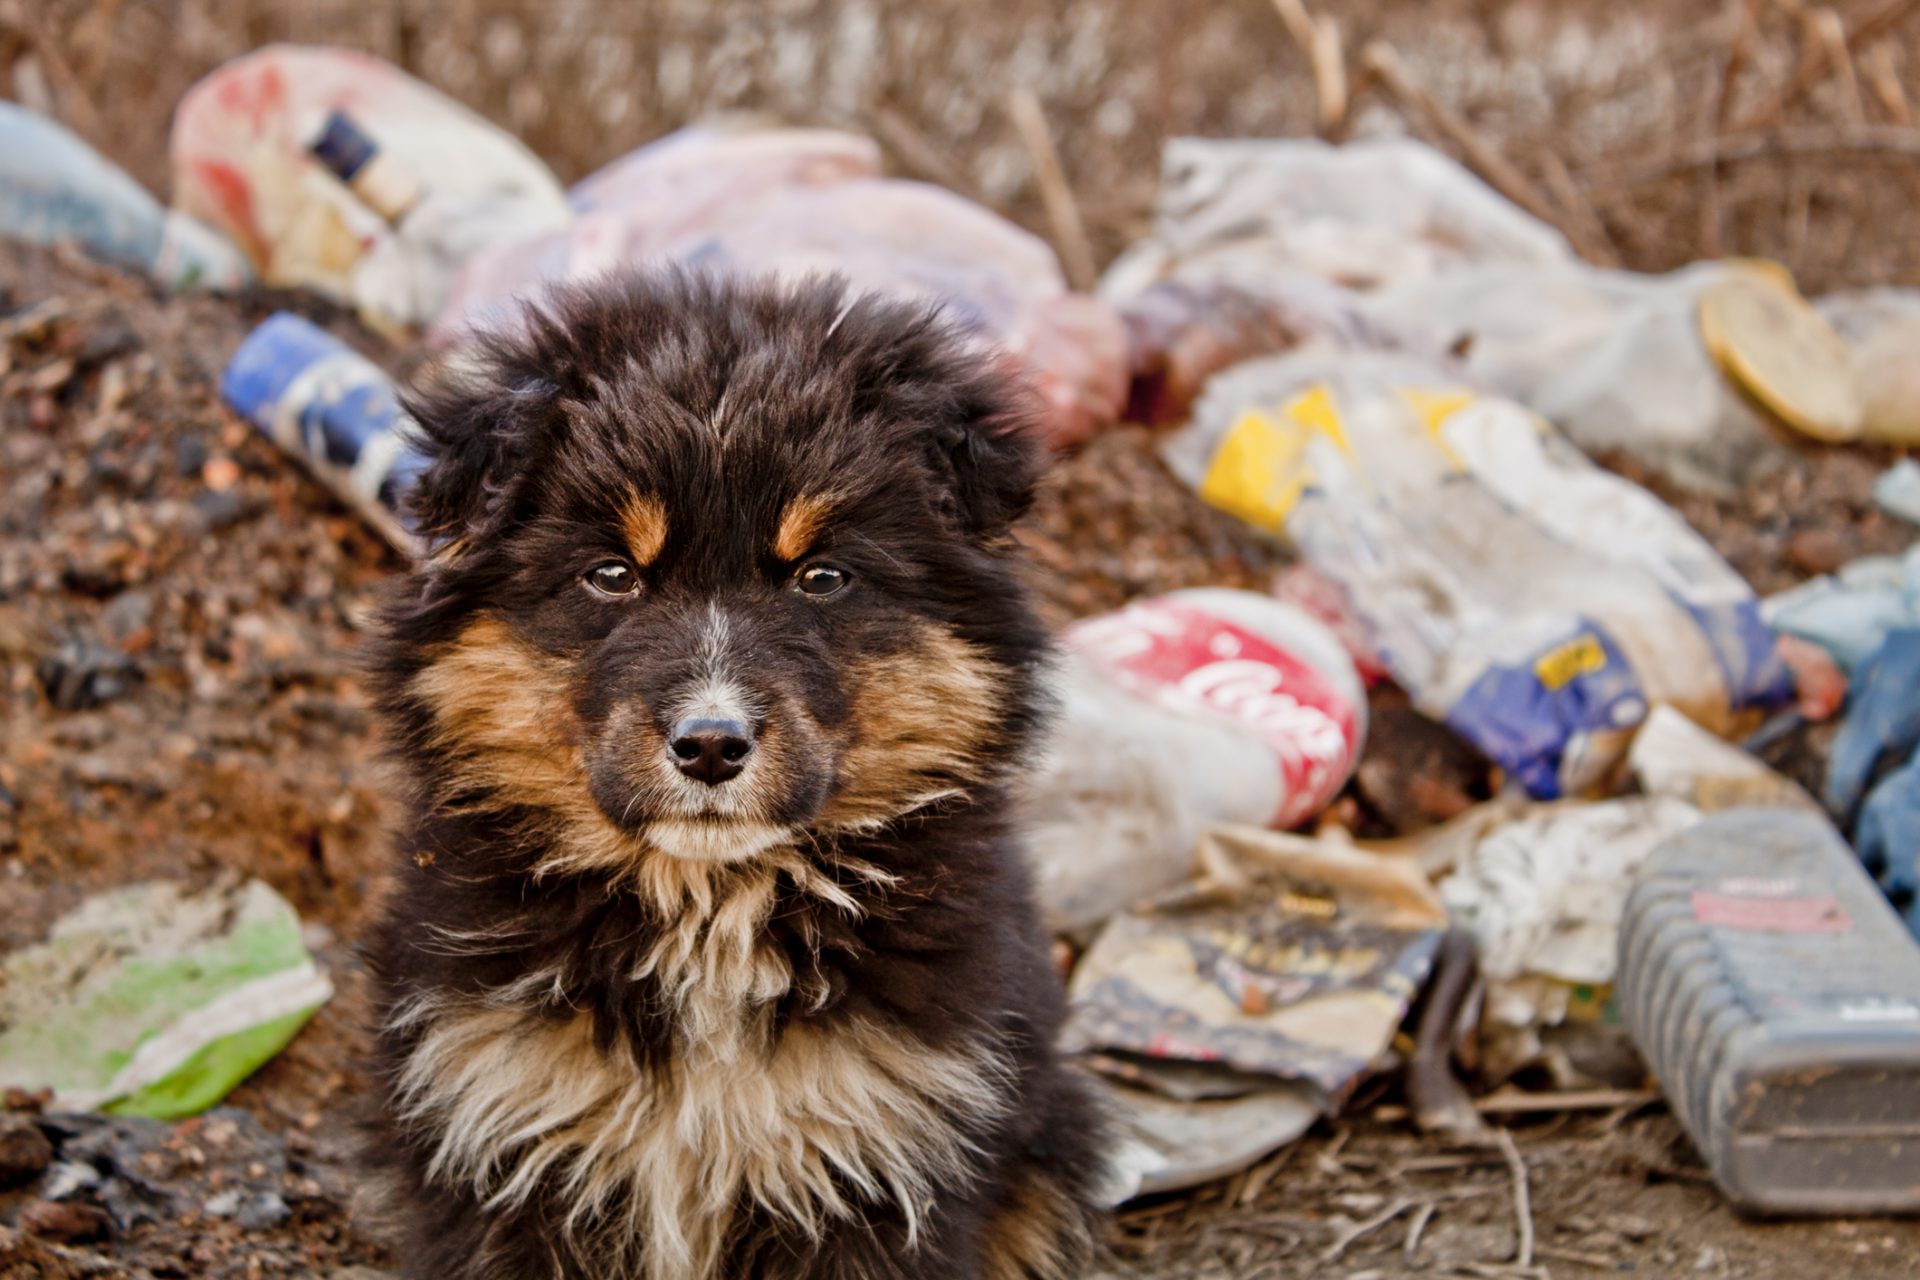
(711, 952)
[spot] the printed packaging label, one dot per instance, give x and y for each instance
(1187, 660)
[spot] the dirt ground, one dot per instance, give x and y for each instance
(217, 598)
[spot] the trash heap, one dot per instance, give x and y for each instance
(1373, 359)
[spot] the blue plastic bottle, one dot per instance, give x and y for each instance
(334, 410)
(54, 188)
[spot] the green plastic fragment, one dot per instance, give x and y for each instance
(157, 999)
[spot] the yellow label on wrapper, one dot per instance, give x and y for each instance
(1433, 408)
(1260, 469)
(1558, 668)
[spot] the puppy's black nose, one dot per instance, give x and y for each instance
(711, 750)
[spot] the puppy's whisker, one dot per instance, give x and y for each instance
(885, 554)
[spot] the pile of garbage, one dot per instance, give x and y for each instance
(1400, 379)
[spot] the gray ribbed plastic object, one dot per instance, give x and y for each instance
(1776, 996)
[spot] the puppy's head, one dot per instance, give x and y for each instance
(718, 568)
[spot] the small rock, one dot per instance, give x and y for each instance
(190, 455)
(104, 343)
(84, 673)
(220, 474)
(127, 613)
(1820, 550)
(100, 770)
(219, 508)
(65, 1221)
(251, 1211)
(1633, 1227)
(25, 1152)
(67, 1177)
(262, 1211)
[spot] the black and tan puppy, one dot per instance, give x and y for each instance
(712, 954)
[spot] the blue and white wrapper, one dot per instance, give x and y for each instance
(334, 410)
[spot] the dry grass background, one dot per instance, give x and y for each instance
(1606, 106)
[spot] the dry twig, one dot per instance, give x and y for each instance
(1894, 142)
(24, 18)
(1416, 1229)
(1815, 63)
(1263, 1173)
(1063, 212)
(1514, 1102)
(1832, 33)
(1352, 1234)
(1876, 64)
(1522, 1198)
(1567, 193)
(1319, 39)
(1384, 64)
(1598, 1262)
(1737, 57)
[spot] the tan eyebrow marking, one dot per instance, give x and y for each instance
(800, 523)
(644, 522)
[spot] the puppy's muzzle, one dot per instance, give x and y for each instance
(710, 750)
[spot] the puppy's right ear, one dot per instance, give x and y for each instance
(480, 423)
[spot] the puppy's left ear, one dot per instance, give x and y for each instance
(990, 454)
(479, 424)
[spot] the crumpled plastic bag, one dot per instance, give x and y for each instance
(1851, 613)
(1181, 333)
(794, 204)
(1882, 723)
(1873, 775)
(156, 999)
(1536, 604)
(1887, 838)
(1542, 888)
(1253, 238)
(1251, 211)
(632, 209)
(240, 163)
(1881, 327)
(1543, 894)
(1613, 359)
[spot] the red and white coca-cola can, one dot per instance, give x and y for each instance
(1256, 663)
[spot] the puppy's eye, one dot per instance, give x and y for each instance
(613, 578)
(821, 580)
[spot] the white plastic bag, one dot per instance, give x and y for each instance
(240, 163)
(799, 203)
(1616, 360)
(1255, 211)
(1537, 604)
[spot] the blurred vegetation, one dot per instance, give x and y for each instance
(1608, 106)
